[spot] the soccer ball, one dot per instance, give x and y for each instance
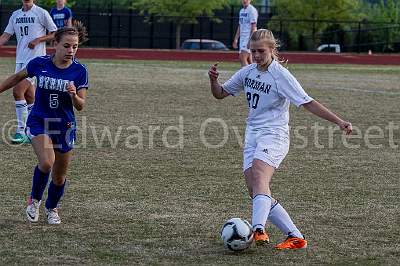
(237, 234)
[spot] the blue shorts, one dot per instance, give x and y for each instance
(62, 134)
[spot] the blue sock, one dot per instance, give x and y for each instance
(54, 195)
(39, 183)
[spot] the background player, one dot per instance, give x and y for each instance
(269, 89)
(29, 24)
(61, 85)
(248, 16)
(61, 15)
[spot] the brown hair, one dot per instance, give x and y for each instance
(77, 29)
(268, 36)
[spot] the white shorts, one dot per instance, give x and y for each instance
(243, 45)
(19, 67)
(268, 145)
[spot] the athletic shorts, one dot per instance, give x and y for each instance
(62, 136)
(268, 145)
(19, 67)
(243, 45)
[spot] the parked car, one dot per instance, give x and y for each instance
(329, 48)
(203, 44)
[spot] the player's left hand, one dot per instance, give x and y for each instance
(71, 89)
(33, 43)
(346, 127)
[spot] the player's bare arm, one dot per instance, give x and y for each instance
(323, 112)
(13, 80)
(216, 89)
(45, 38)
(78, 97)
(253, 29)
(236, 38)
(4, 38)
(68, 22)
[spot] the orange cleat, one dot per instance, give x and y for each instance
(292, 243)
(261, 237)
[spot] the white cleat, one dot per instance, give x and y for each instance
(32, 211)
(52, 216)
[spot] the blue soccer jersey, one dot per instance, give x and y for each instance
(60, 16)
(51, 98)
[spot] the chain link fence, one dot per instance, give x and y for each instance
(125, 28)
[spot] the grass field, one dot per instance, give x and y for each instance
(146, 185)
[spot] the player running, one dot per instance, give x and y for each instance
(247, 25)
(29, 24)
(269, 89)
(61, 85)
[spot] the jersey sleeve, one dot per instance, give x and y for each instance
(235, 84)
(253, 15)
(68, 13)
(48, 22)
(10, 28)
(290, 88)
(82, 81)
(31, 67)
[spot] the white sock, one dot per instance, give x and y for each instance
(29, 106)
(261, 207)
(281, 219)
(21, 109)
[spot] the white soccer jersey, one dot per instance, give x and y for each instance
(268, 93)
(247, 16)
(27, 26)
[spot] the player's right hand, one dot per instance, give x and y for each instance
(33, 44)
(346, 127)
(234, 44)
(213, 72)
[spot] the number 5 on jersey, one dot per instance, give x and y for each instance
(53, 101)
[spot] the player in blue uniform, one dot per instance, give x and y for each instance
(61, 15)
(62, 83)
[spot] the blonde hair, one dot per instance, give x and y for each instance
(268, 37)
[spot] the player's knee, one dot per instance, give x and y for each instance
(46, 165)
(58, 180)
(29, 98)
(260, 184)
(258, 181)
(18, 94)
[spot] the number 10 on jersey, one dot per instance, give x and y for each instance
(24, 30)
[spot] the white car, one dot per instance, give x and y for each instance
(329, 48)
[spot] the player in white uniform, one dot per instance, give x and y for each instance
(29, 24)
(269, 89)
(248, 16)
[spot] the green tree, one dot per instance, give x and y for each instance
(384, 11)
(180, 12)
(75, 3)
(388, 13)
(313, 10)
(52, 3)
(239, 2)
